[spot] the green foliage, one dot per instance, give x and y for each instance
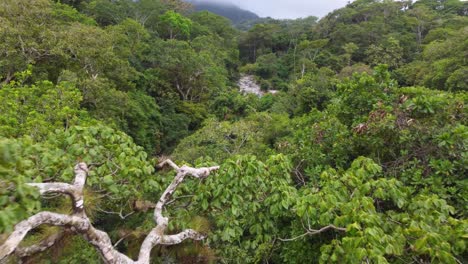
(350, 49)
(117, 67)
(266, 66)
(131, 38)
(318, 141)
(86, 253)
(382, 221)
(314, 90)
(67, 13)
(214, 24)
(145, 12)
(19, 202)
(441, 66)
(142, 119)
(38, 109)
(231, 105)
(246, 200)
(357, 96)
(124, 166)
(389, 53)
(176, 24)
(119, 168)
(220, 140)
(29, 24)
(258, 41)
(193, 74)
(359, 165)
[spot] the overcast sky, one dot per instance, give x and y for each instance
(288, 8)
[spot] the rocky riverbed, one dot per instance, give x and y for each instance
(247, 85)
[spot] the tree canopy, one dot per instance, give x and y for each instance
(354, 151)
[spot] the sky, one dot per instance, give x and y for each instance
(288, 8)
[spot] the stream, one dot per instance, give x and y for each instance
(247, 85)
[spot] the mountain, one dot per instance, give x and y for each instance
(234, 13)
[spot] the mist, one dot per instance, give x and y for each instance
(286, 9)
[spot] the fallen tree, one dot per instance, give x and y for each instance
(79, 223)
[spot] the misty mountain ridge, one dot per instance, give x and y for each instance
(234, 13)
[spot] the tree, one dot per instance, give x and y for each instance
(250, 210)
(215, 24)
(355, 215)
(314, 89)
(258, 41)
(267, 66)
(350, 49)
(342, 165)
(131, 39)
(80, 223)
(309, 51)
(221, 140)
(193, 74)
(26, 35)
(146, 12)
(175, 24)
(441, 66)
(358, 95)
(38, 109)
(389, 53)
(444, 6)
(421, 18)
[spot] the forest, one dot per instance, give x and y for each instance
(359, 156)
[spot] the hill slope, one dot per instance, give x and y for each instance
(230, 11)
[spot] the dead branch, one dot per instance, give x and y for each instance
(79, 223)
(42, 246)
(314, 232)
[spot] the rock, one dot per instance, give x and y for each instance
(247, 85)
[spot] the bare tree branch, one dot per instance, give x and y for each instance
(23, 227)
(54, 187)
(169, 162)
(120, 214)
(156, 236)
(41, 246)
(79, 223)
(314, 232)
(179, 238)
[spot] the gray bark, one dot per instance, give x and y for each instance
(79, 223)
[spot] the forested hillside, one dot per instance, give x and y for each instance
(360, 155)
(230, 11)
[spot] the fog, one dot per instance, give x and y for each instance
(287, 8)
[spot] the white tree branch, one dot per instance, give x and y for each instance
(78, 222)
(81, 172)
(169, 162)
(41, 246)
(54, 187)
(156, 236)
(314, 232)
(23, 227)
(179, 238)
(75, 191)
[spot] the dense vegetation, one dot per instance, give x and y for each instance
(230, 11)
(362, 157)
